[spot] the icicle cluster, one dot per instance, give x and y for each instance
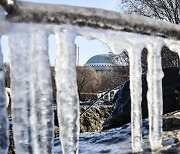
(134, 44)
(31, 91)
(31, 88)
(67, 96)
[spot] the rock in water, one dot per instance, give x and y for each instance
(93, 120)
(121, 113)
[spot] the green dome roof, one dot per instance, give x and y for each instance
(102, 58)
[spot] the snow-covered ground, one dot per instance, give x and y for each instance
(118, 140)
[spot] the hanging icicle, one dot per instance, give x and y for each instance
(136, 97)
(67, 96)
(20, 91)
(4, 126)
(31, 92)
(154, 94)
(41, 88)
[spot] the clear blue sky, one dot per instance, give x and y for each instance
(87, 48)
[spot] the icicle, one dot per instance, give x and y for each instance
(42, 105)
(67, 96)
(4, 128)
(136, 97)
(31, 93)
(154, 95)
(20, 91)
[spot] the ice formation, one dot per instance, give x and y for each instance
(154, 95)
(41, 87)
(31, 87)
(67, 96)
(136, 83)
(20, 92)
(4, 126)
(31, 91)
(134, 44)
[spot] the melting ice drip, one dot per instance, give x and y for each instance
(32, 90)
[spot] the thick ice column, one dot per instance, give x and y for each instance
(67, 96)
(20, 91)
(4, 126)
(136, 98)
(41, 88)
(154, 94)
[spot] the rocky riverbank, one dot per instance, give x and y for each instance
(92, 121)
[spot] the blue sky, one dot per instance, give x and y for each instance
(87, 48)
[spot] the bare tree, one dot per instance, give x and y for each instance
(112, 78)
(87, 80)
(169, 59)
(168, 10)
(119, 59)
(121, 69)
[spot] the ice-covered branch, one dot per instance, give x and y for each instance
(90, 17)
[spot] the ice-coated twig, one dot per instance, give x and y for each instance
(41, 88)
(154, 94)
(4, 126)
(20, 91)
(67, 96)
(136, 97)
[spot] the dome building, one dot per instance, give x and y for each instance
(100, 62)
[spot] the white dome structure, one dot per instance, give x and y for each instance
(100, 62)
